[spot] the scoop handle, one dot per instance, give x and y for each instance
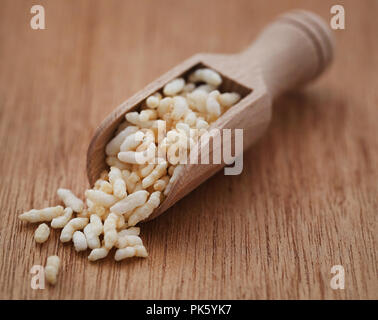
(291, 51)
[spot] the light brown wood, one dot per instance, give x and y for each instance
(290, 52)
(307, 197)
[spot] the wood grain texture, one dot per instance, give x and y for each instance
(306, 200)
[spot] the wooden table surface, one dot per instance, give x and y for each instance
(308, 195)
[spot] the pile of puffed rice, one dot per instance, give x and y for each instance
(143, 166)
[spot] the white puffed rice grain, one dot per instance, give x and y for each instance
(132, 231)
(41, 215)
(206, 75)
(113, 147)
(61, 221)
(80, 241)
(70, 200)
(118, 184)
(101, 185)
(228, 99)
(42, 233)
(197, 100)
(98, 253)
(71, 227)
(128, 241)
(160, 184)
(131, 202)
(145, 210)
(140, 251)
(114, 162)
(174, 87)
(124, 253)
(110, 231)
(129, 252)
(206, 88)
(93, 230)
(101, 198)
(52, 269)
(158, 172)
(131, 182)
(180, 107)
(152, 102)
(212, 104)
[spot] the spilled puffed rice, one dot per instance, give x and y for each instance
(129, 252)
(42, 215)
(92, 232)
(42, 233)
(61, 221)
(98, 253)
(70, 200)
(72, 226)
(135, 184)
(110, 230)
(52, 269)
(80, 241)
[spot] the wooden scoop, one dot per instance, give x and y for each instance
(290, 52)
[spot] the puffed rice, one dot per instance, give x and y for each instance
(52, 269)
(99, 197)
(131, 202)
(146, 115)
(102, 185)
(129, 252)
(121, 222)
(97, 210)
(160, 184)
(197, 100)
(71, 227)
(128, 241)
(158, 172)
(131, 182)
(110, 231)
(42, 233)
(93, 230)
(174, 87)
(180, 107)
(212, 104)
(206, 75)
(133, 117)
(41, 215)
(113, 147)
(152, 102)
(206, 88)
(70, 200)
(136, 184)
(61, 221)
(228, 99)
(145, 170)
(138, 157)
(98, 253)
(118, 184)
(132, 141)
(114, 162)
(132, 231)
(145, 210)
(165, 106)
(80, 241)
